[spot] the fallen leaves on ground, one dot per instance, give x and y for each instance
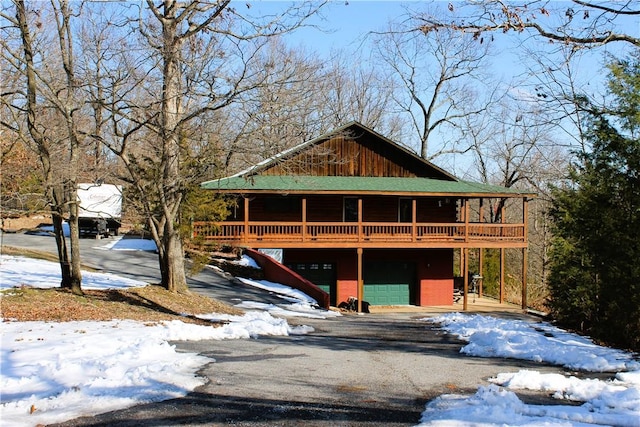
(149, 303)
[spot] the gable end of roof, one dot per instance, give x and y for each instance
(351, 127)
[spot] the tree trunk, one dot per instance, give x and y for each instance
(61, 245)
(71, 181)
(74, 237)
(57, 196)
(172, 262)
(171, 255)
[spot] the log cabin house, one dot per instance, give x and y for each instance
(361, 216)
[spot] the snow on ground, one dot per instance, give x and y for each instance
(18, 271)
(129, 244)
(116, 364)
(65, 370)
(289, 310)
(247, 261)
(539, 342)
(614, 402)
(52, 372)
(298, 303)
(285, 292)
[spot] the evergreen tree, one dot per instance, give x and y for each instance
(595, 273)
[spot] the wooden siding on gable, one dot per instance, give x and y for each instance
(353, 155)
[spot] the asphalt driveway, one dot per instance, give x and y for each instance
(354, 370)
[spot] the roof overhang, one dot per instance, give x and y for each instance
(269, 184)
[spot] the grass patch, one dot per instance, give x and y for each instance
(149, 303)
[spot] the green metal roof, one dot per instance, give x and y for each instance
(356, 185)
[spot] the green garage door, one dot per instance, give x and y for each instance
(321, 274)
(389, 282)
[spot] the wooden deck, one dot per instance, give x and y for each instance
(363, 235)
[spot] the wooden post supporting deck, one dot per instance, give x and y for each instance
(465, 211)
(502, 260)
(304, 219)
(480, 252)
(359, 250)
(480, 271)
(246, 220)
(525, 259)
(413, 220)
(360, 281)
(525, 252)
(465, 276)
(501, 275)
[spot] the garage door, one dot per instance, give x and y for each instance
(322, 274)
(389, 282)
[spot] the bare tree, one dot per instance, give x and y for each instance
(192, 59)
(558, 38)
(565, 83)
(439, 75)
(360, 93)
(94, 33)
(281, 112)
(50, 102)
(306, 97)
(578, 22)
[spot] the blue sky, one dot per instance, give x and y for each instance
(346, 24)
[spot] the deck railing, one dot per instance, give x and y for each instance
(368, 233)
